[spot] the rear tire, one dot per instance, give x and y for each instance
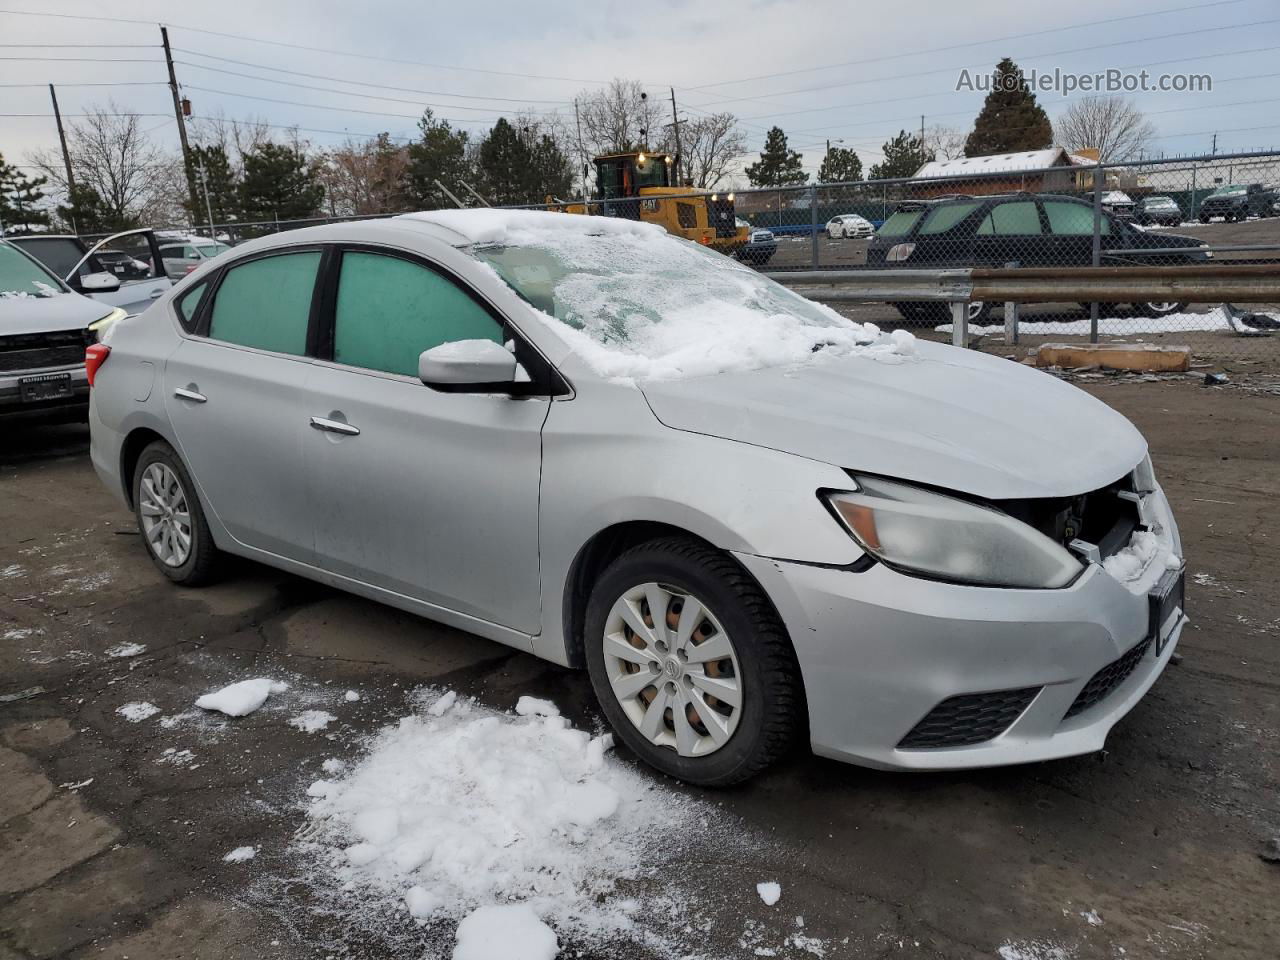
(754, 663)
(1155, 310)
(170, 518)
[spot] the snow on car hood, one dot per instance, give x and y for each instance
(24, 313)
(954, 418)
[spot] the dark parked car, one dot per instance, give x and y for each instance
(760, 247)
(1031, 230)
(1161, 211)
(1237, 202)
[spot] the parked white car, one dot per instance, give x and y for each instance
(849, 225)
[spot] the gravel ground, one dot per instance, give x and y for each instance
(114, 830)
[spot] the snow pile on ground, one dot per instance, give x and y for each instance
(508, 932)
(1215, 319)
(311, 721)
(636, 303)
(241, 698)
(138, 711)
(460, 809)
(241, 854)
(126, 650)
(770, 892)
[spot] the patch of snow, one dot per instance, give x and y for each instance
(351, 696)
(138, 711)
(19, 633)
(505, 932)
(239, 699)
(333, 765)
(1215, 319)
(443, 703)
(1132, 561)
(241, 854)
(126, 650)
(312, 721)
(474, 808)
(178, 758)
(11, 571)
(533, 707)
(1032, 950)
(770, 892)
(1091, 917)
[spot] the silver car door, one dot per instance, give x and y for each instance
(430, 495)
(133, 296)
(235, 399)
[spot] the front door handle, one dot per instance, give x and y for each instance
(335, 426)
(191, 395)
(156, 294)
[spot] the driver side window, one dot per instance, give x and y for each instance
(389, 310)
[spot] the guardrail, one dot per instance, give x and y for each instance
(1193, 283)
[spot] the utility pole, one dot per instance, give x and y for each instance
(66, 159)
(922, 134)
(675, 124)
(1214, 151)
(182, 123)
(582, 152)
(204, 182)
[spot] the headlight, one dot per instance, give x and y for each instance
(100, 327)
(929, 533)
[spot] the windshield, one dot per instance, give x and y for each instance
(639, 303)
(900, 223)
(20, 276)
(211, 249)
(1160, 202)
(1229, 191)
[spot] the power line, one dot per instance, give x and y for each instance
(975, 43)
(325, 106)
(135, 46)
(80, 59)
(953, 68)
(358, 83)
(112, 83)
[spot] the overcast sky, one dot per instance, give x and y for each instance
(851, 72)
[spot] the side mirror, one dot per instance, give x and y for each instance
(99, 283)
(470, 366)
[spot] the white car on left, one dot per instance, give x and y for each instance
(45, 328)
(849, 225)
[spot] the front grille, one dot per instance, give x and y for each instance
(969, 719)
(720, 214)
(1102, 683)
(32, 351)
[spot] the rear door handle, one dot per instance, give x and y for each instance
(155, 294)
(191, 395)
(335, 426)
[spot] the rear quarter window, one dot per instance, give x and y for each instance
(1012, 219)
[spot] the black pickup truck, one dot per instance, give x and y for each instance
(1238, 202)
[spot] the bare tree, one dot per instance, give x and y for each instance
(710, 145)
(235, 137)
(1111, 125)
(947, 143)
(365, 177)
(113, 155)
(619, 117)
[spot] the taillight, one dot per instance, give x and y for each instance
(95, 355)
(899, 252)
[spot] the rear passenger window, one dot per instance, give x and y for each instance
(943, 218)
(389, 310)
(266, 303)
(1013, 219)
(189, 303)
(1072, 219)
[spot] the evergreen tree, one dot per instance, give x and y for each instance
(84, 212)
(840, 165)
(551, 171)
(220, 182)
(504, 161)
(279, 183)
(779, 165)
(441, 155)
(903, 156)
(20, 198)
(1010, 120)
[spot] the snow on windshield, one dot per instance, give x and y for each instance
(637, 303)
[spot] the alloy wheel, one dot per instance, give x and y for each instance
(673, 669)
(166, 517)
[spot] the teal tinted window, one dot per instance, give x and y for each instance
(942, 219)
(1072, 219)
(189, 303)
(266, 303)
(390, 310)
(1014, 219)
(898, 224)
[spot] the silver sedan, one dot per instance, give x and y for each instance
(749, 519)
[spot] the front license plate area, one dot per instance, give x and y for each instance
(1168, 597)
(48, 386)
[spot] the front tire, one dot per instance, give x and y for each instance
(1155, 310)
(691, 664)
(170, 518)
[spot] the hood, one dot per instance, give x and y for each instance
(951, 418)
(63, 311)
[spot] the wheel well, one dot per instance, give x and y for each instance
(134, 444)
(596, 554)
